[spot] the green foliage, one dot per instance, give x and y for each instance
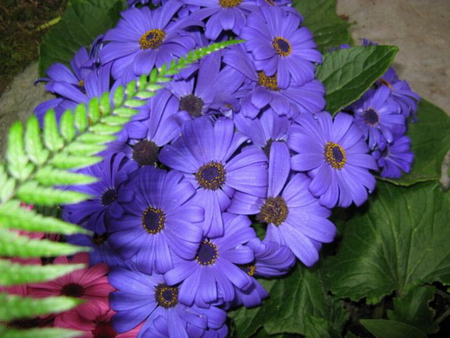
(295, 304)
(400, 241)
(348, 73)
(81, 23)
(329, 30)
(430, 140)
(36, 161)
(382, 328)
(7, 332)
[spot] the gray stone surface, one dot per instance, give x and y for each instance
(420, 29)
(19, 100)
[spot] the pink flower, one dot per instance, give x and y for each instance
(90, 284)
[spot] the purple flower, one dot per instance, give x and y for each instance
(378, 117)
(263, 91)
(213, 275)
(159, 222)
(159, 124)
(224, 15)
(144, 38)
(147, 298)
(279, 46)
(401, 93)
(207, 155)
(395, 158)
(335, 155)
(294, 217)
(211, 91)
(108, 193)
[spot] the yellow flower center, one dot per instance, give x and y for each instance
(335, 155)
(152, 39)
(269, 82)
(282, 46)
(229, 3)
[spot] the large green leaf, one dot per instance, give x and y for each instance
(430, 140)
(398, 241)
(329, 30)
(382, 328)
(413, 309)
(291, 299)
(348, 73)
(79, 26)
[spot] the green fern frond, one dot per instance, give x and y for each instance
(12, 216)
(7, 332)
(21, 274)
(14, 245)
(26, 307)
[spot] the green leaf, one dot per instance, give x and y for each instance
(18, 164)
(413, 309)
(103, 129)
(382, 328)
(319, 328)
(93, 138)
(348, 73)
(329, 30)
(125, 112)
(398, 241)
(68, 130)
(66, 161)
(52, 139)
(115, 120)
(32, 193)
(26, 307)
(16, 274)
(49, 176)
(79, 26)
(12, 216)
(33, 142)
(291, 299)
(430, 140)
(7, 185)
(14, 245)
(81, 118)
(84, 149)
(54, 332)
(94, 110)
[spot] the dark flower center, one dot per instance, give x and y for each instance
(270, 2)
(72, 290)
(274, 211)
(152, 39)
(207, 253)
(211, 175)
(282, 46)
(166, 296)
(267, 147)
(26, 323)
(229, 3)
(192, 104)
(249, 269)
(109, 196)
(371, 117)
(99, 239)
(153, 220)
(335, 155)
(104, 330)
(269, 82)
(145, 152)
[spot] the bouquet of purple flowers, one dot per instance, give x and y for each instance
(231, 185)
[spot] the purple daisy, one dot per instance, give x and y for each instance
(158, 125)
(378, 117)
(211, 91)
(147, 298)
(335, 155)
(159, 222)
(263, 91)
(214, 273)
(395, 158)
(294, 217)
(207, 155)
(280, 47)
(224, 15)
(146, 38)
(107, 191)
